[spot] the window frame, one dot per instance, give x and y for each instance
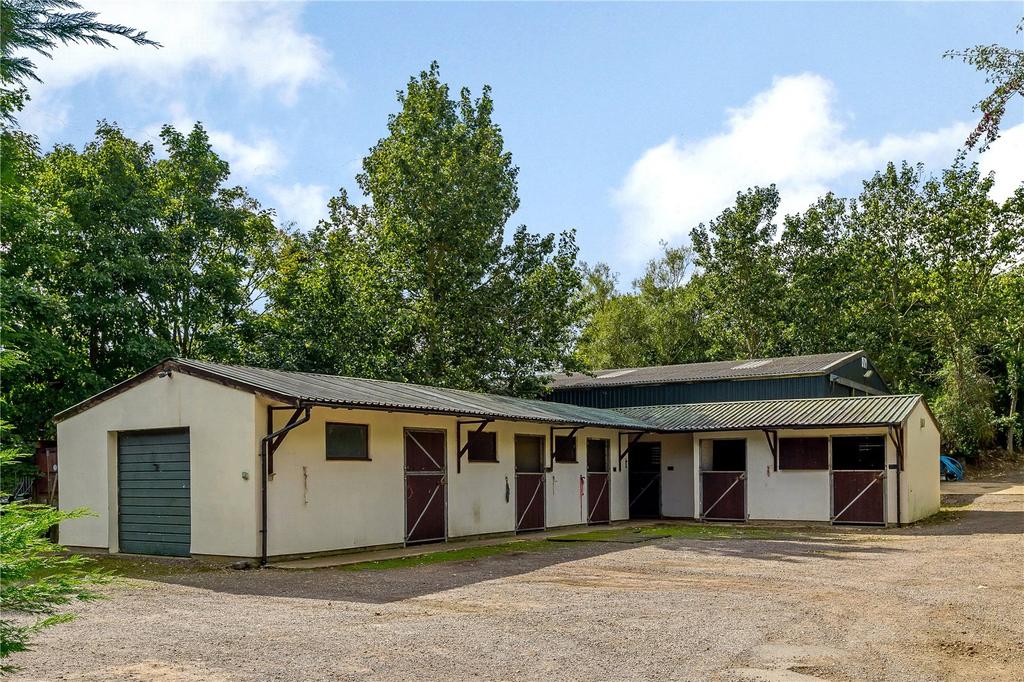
(827, 465)
(884, 451)
(366, 439)
(469, 448)
(555, 459)
(607, 455)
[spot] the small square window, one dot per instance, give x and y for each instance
(806, 454)
(565, 448)
(483, 446)
(347, 441)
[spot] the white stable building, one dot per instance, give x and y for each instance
(196, 458)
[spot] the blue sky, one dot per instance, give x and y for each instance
(629, 122)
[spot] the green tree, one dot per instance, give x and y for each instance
(818, 265)
(889, 306)
(422, 285)
(739, 261)
(659, 322)
(39, 577)
(115, 259)
(215, 249)
(1009, 346)
(39, 26)
(1004, 70)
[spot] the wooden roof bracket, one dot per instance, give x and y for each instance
(572, 432)
(460, 448)
(268, 444)
(275, 438)
(896, 434)
(637, 435)
(773, 444)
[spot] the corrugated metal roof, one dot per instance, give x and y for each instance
(328, 389)
(763, 414)
(708, 371)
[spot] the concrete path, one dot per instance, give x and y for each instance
(981, 488)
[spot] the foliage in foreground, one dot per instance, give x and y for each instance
(37, 577)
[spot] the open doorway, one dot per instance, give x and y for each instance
(723, 487)
(645, 480)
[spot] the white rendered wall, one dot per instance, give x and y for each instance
(222, 444)
(791, 495)
(920, 476)
(343, 504)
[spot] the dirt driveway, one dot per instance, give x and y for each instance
(944, 600)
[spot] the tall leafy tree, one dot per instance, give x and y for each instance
(818, 265)
(659, 322)
(115, 258)
(1009, 347)
(739, 260)
(216, 247)
(890, 306)
(422, 285)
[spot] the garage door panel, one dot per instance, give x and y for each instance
(157, 483)
(157, 530)
(160, 458)
(146, 467)
(155, 475)
(139, 504)
(153, 493)
(155, 437)
(160, 519)
(158, 548)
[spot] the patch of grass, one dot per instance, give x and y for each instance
(606, 535)
(716, 532)
(694, 531)
(461, 554)
(144, 567)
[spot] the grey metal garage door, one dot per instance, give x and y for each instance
(153, 492)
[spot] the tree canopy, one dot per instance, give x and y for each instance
(922, 272)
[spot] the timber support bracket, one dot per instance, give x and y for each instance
(460, 448)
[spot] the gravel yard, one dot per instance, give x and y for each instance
(944, 600)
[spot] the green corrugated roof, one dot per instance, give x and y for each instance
(874, 410)
(326, 389)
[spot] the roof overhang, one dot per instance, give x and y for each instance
(616, 420)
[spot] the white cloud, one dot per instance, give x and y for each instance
(259, 158)
(263, 45)
(302, 204)
(1005, 157)
(789, 135)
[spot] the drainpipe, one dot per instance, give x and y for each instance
(266, 443)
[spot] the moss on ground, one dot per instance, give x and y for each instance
(692, 531)
(144, 567)
(461, 554)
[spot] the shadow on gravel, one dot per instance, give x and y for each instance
(973, 521)
(792, 551)
(391, 585)
(383, 586)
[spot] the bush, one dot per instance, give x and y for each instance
(38, 576)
